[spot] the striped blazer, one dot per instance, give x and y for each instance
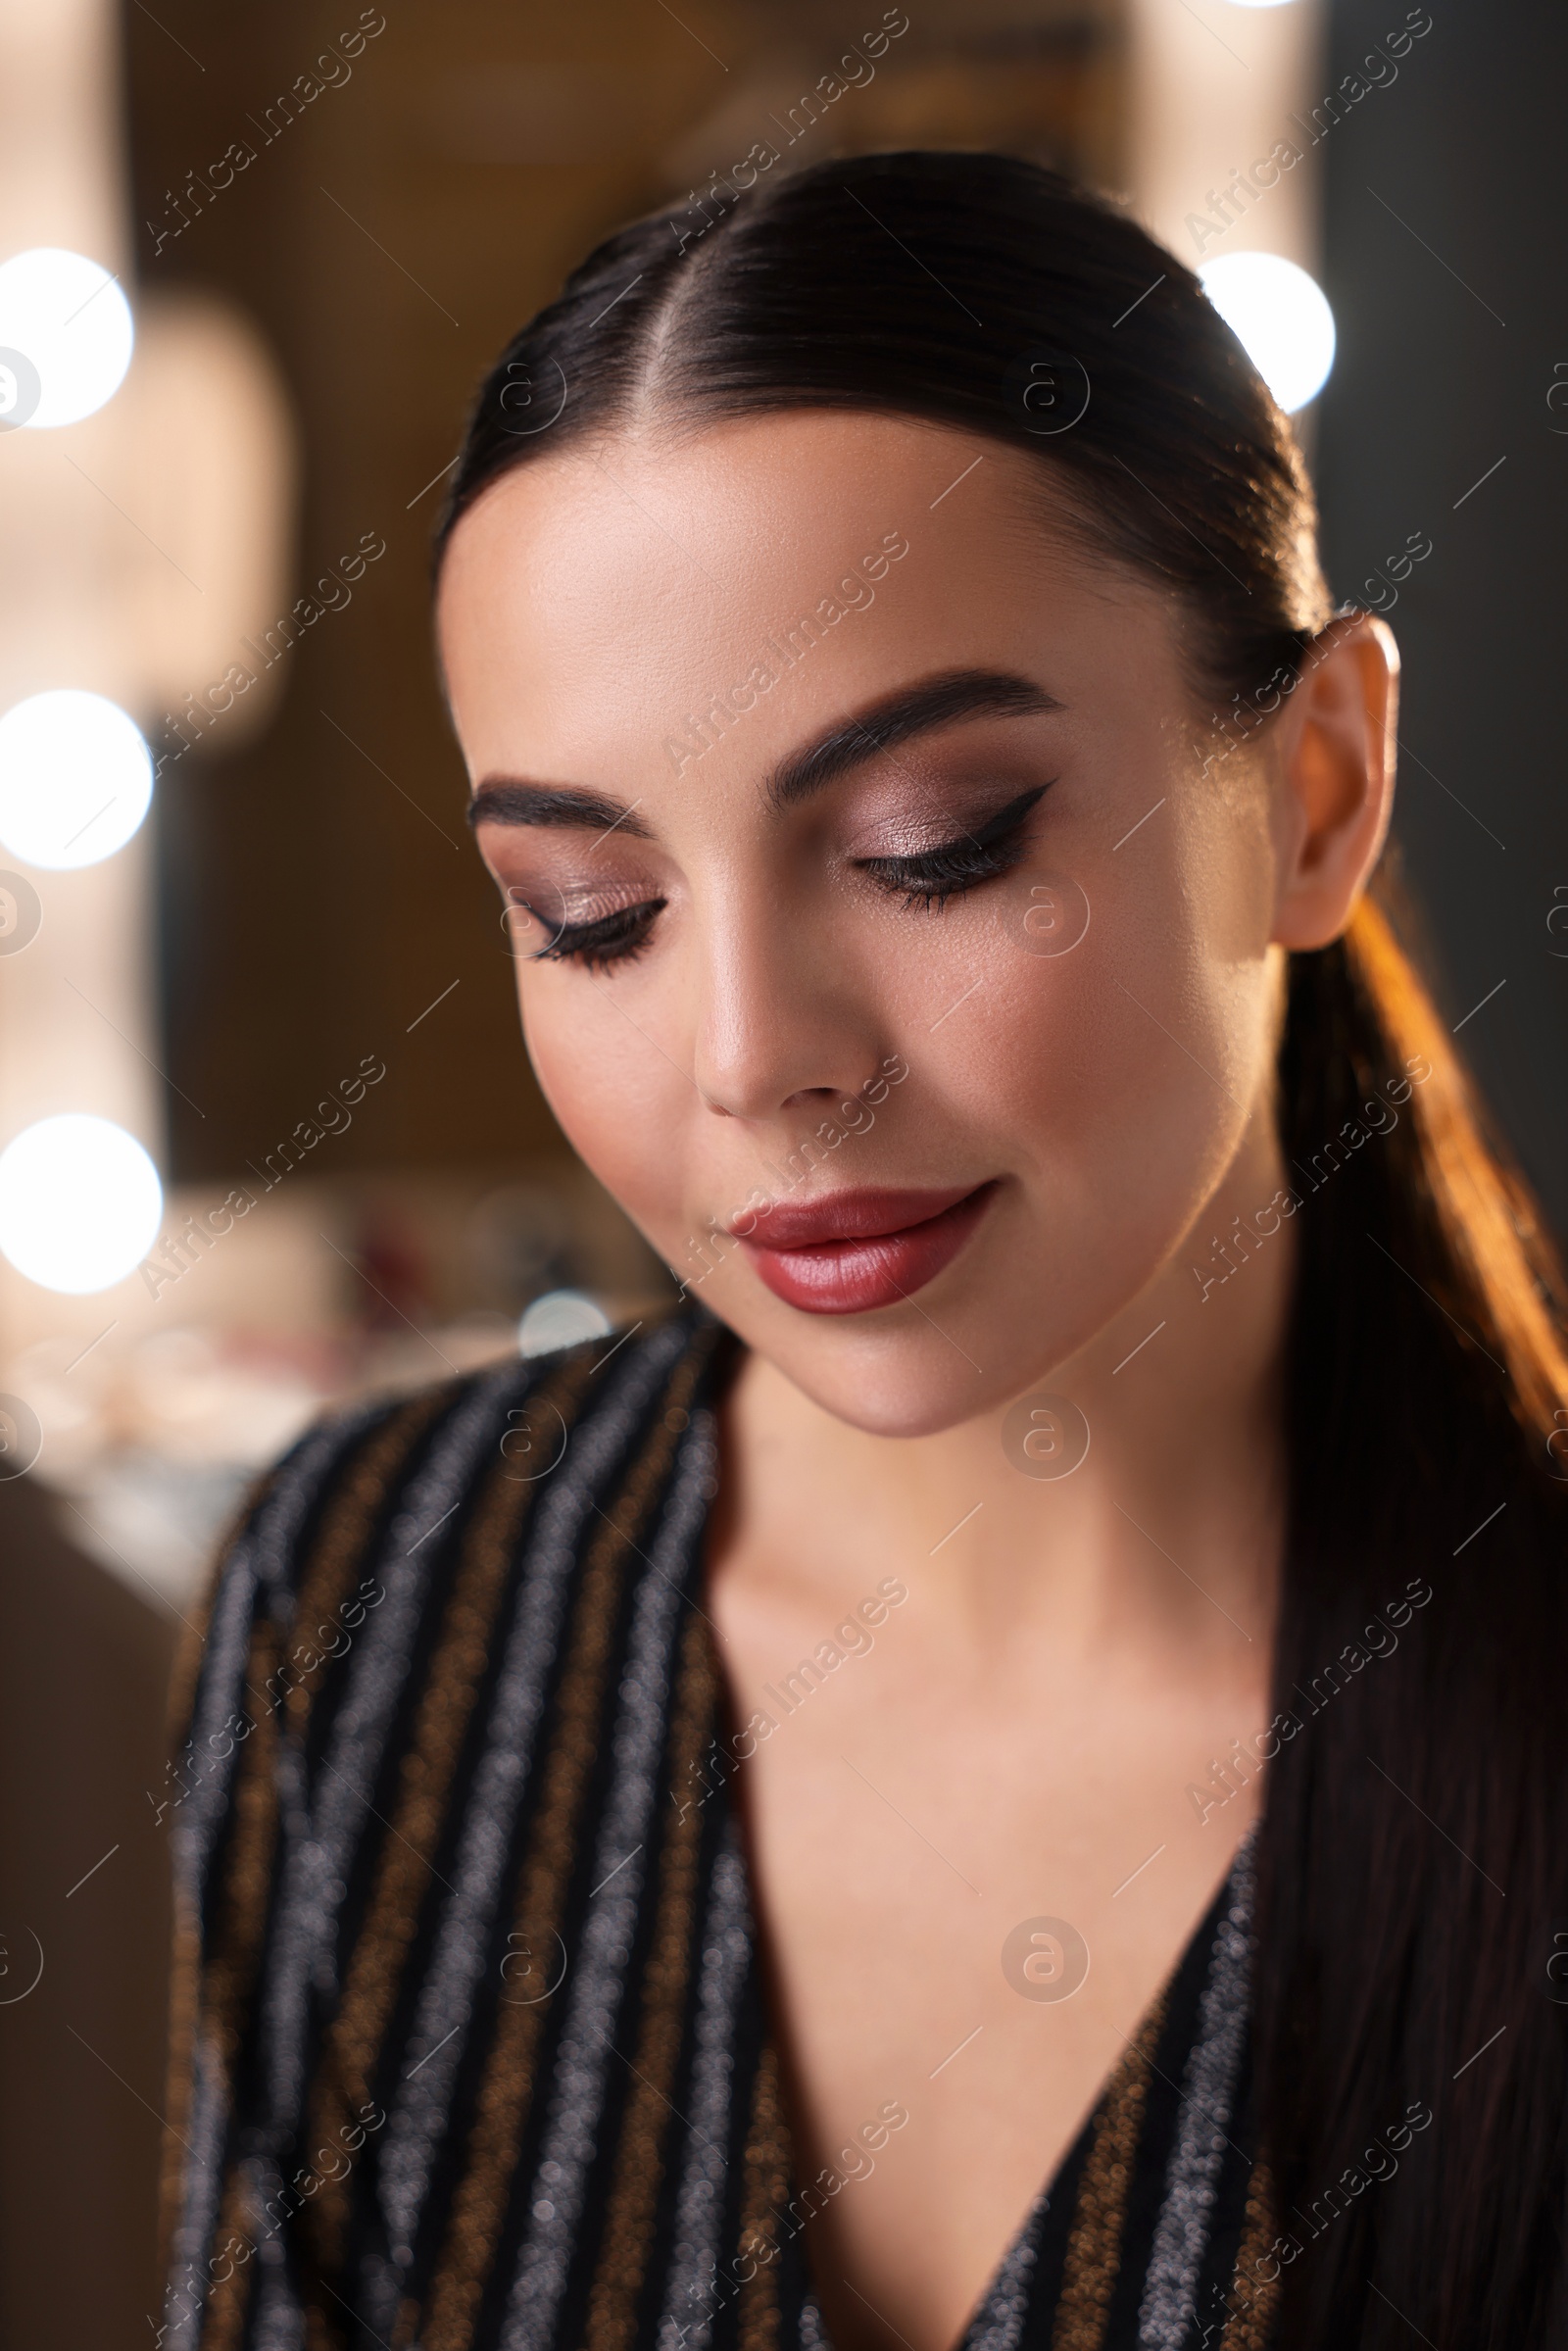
(472, 2045)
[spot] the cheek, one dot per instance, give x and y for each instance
(613, 1094)
(1114, 1080)
(1120, 1060)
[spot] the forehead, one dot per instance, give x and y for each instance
(593, 605)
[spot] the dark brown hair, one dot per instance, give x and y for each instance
(1414, 1848)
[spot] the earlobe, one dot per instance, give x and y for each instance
(1337, 747)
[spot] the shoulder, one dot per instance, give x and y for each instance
(423, 1457)
(388, 1497)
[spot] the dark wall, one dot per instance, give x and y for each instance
(1446, 265)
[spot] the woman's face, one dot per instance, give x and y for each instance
(881, 946)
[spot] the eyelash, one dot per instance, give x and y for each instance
(617, 938)
(927, 881)
(951, 872)
(957, 866)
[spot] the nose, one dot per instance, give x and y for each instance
(782, 1022)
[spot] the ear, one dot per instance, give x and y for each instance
(1335, 750)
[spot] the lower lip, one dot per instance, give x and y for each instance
(855, 1277)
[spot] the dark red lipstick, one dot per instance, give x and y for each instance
(852, 1251)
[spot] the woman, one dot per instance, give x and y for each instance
(990, 1778)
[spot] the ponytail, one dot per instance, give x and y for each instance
(1413, 1865)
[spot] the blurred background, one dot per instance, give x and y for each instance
(267, 1133)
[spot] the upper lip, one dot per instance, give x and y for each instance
(859, 1215)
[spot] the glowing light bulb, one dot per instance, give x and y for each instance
(79, 1203)
(66, 337)
(560, 1319)
(1280, 317)
(75, 780)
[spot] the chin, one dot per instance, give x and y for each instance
(1012, 1311)
(904, 1384)
(915, 1369)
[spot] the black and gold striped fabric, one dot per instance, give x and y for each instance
(472, 2041)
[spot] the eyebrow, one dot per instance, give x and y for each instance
(898, 718)
(508, 800)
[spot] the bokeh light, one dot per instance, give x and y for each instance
(66, 337)
(560, 1319)
(1281, 317)
(79, 1203)
(75, 778)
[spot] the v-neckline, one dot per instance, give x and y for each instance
(1016, 2254)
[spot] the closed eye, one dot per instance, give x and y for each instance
(928, 880)
(611, 939)
(958, 866)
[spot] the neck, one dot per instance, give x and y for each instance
(1168, 1528)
